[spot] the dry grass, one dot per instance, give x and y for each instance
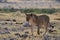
(20, 29)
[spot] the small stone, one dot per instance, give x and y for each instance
(46, 37)
(26, 24)
(27, 32)
(14, 20)
(25, 36)
(17, 34)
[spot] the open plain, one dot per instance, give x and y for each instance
(12, 28)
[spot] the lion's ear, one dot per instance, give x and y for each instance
(31, 14)
(26, 14)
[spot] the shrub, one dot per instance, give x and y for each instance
(49, 11)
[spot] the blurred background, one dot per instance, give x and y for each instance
(13, 25)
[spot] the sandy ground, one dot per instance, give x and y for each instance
(12, 29)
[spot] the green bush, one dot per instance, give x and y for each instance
(49, 11)
(8, 10)
(38, 10)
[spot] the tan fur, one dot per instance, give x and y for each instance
(39, 21)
